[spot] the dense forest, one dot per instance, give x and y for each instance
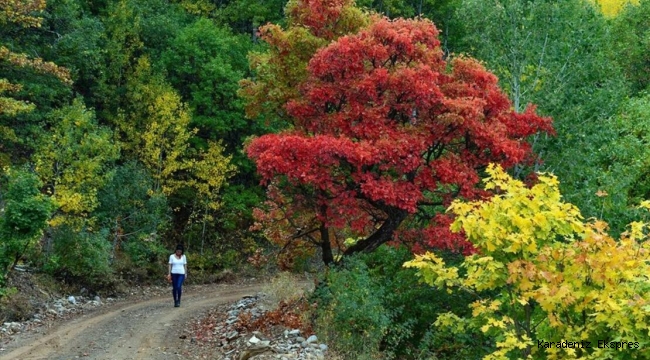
(504, 143)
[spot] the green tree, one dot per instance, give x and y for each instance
(631, 43)
(556, 55)
(625, 162)
(17, 96)
(245, 16)
(122, 48)
(160, 23)
(370, 307)
(80, 254)
(24, 212)
(77, 40)
(133, 213)
(205, 63)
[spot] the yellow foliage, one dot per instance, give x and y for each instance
(45, 67)
(452, 322)
(484, 273)
(433, 270)
(73, 162)
(611, 8)
(549, 268)
(21, 12)
(211, 173)
(157, 129)
(519, 220)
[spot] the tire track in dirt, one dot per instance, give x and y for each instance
(144, 330)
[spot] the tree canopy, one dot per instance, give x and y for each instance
(384, 129)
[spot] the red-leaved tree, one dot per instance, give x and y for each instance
(385, 134)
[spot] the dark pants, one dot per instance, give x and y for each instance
(177, 286)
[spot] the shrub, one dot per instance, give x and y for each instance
(23, 216)
(350, 314)
(211, 267)
(80, 257)
(150, 256)
(371, 307)
(14, 306)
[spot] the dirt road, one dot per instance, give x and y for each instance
(147, 329)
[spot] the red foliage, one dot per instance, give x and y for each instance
(287, 314)
(319, 16)
(383, 126)
(258, 259)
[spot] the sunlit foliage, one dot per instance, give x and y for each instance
(556, 277)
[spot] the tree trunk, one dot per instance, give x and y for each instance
(382, 235)
(326, 247)
(116, 239)
(203, 232)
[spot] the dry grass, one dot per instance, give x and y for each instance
(286, 287)
(15, 307)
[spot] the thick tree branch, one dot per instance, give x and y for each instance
(382, 235)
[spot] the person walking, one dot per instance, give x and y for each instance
(177, 273)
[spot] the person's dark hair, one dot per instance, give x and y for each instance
(180, 247)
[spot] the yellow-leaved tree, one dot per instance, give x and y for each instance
(210, 173)
(74, 161)
(156, 128)
(548, 284)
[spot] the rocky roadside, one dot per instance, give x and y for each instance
(239, 331)
(235, 331)
(56, 309)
